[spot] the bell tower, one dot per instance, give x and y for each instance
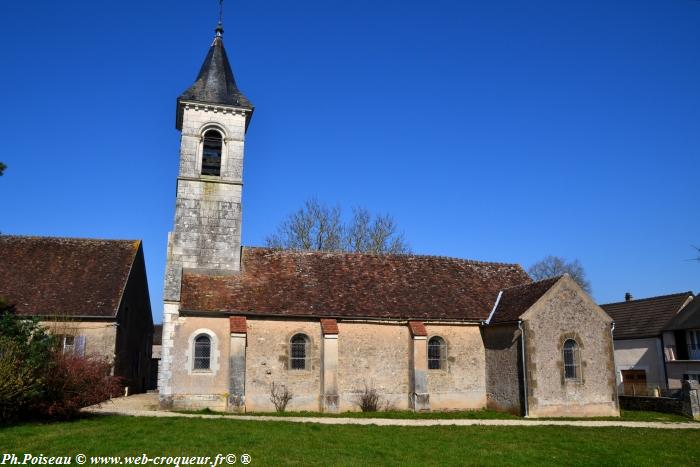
(212, 116)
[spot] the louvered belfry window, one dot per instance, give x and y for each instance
(437, 353)
(298, 352)
(211, 153)
(572, 370)
(202, 353)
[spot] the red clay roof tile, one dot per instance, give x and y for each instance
(517, 300)
(321, 284)
(238, 325)
(47, 276)
(417, 328)
(329, 326)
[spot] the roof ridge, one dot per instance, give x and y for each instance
(527, 284)
(357, 253)
(49, 237)
(678, 294)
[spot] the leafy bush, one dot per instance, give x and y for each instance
(38, 380)
(72, 382)
(19, 384)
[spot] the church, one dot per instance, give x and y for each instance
(423, 333)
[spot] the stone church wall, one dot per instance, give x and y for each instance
(462, 385)
(193, 389)
(562, 313)
(267, 361)
(376, 355)
(503, 379)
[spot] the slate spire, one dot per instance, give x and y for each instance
(215, 83)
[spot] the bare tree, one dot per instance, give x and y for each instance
(378, 235)
(313, 227)
(552, 266)
(368, 400)
(280, 396)
(318, 227)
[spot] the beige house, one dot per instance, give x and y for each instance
(650, 342)
(93, 294)
(681, 338)
(425, 332)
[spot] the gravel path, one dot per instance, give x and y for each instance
(145, 405)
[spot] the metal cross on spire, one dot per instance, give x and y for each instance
(220, 26)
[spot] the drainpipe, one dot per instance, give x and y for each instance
(617, 391)
(522, 352)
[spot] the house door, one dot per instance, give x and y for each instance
(634, 382)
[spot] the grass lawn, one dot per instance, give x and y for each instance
(270, 443)
(629, 416)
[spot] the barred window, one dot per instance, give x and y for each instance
(298, 352)
(572, 365)
(437, 353)
(202, 352)
(211, 153)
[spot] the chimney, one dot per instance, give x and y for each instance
(628, 297)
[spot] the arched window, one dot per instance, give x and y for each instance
(298, 352)
(572, 366)
(211, 153)
(202, 352)
(437, 353)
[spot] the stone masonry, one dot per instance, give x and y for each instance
(207, 228)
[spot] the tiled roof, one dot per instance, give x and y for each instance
(215, 83)
(238, 324)
(46, 276)
(329, 326)
(321, 284)
(687, 318)
(417, 328)
(646, 317)
(517, 300)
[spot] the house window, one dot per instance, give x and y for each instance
(67, 343)
(437, 353)
(298, 352)
(202, 352)
(694, 345)
(692, 377)
(211, 153)
(572, 370)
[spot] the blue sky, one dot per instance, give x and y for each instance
(492, 130)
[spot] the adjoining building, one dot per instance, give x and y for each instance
(647, 332)
(93, 294)
(425, 332)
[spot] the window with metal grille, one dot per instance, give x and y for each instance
(437, 353)
(571, 360)
(298, 352)
(202, 352)
(211, 153)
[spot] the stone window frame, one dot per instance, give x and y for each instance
(200, 149)
(214, 355)
(443, 354)
(307, 352)
(580, 362)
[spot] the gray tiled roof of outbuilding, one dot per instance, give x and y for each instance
(646, 317)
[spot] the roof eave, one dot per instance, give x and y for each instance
(180, 103)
